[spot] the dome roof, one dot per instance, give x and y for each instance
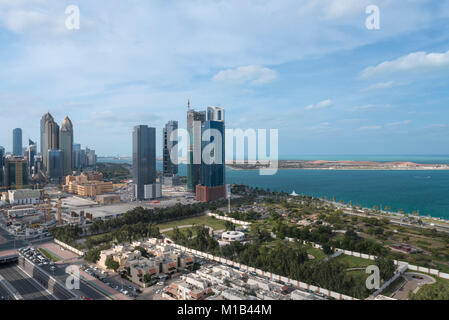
(67, 124)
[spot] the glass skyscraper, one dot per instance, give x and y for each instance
(17, 149)
(54, 169)
(212, 186)
(66, 146)
(194, 122)
(170, 146)
(144, 159)
(2, 155)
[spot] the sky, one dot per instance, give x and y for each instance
(309, 68)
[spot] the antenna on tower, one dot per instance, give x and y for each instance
(188, 104)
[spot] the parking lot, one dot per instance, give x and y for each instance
(35, 256)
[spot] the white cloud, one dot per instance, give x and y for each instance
(380, 85)
(361, 108)
(252, 74)
(437, 126)
(398, 123)
(417, 61)
(320, 105)
(366, 128)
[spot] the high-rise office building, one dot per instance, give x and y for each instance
(90, 158)
(17, 148)
(38, 164)
(212, 182)
(170, 151)
(66, 146)
(50, 137)
(194, 122)
(76, 156)
(55, 163)
(16, 172)
(46, 117)
(2, 155)
(144, 163)
(31, 153)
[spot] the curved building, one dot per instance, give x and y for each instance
(50, 137)
(231, 236)
(66, 146)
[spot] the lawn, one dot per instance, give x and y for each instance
(50, 256)
(355, 262)
(317, 253)
(214, 223)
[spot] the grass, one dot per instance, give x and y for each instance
(317, 253)
(354, 262)
(393, 287)
(49, 255)
(214, 223)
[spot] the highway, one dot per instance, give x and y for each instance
(85, 290)
(27, 287)
(4, 294)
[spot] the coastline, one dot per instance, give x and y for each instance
(344, 169)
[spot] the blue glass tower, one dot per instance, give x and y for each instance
(17, 149)
(144, 159)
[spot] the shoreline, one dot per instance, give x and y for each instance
(343, 169)
(390, 213)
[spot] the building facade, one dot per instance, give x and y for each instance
(2, 174)
(170, 149)
(50, 137)
(54, 168)
(66, 145)
(212, 185)
(17, 149)
(144, 159)
(194, 122)
(16, 172)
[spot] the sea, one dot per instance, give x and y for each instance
(426, 192)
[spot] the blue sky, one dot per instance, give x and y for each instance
(309, 68)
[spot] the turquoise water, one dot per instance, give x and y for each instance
(423, 191)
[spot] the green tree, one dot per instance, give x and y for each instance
(386, 267)
(111, 263)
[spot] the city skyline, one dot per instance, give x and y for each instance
(364, 92)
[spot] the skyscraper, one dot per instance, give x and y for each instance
(2, 155)
(32, 149)
(170, 149)
(50, 137)
(44, 119)
(54, 168)
(77, 156)
(17, 142)
(194, 122)
(212, 182)
(16, 172)
(66, 146)
(144, 163)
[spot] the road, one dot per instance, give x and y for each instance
(85, 290)
(10, 241)
(26, 286)
(4, 294)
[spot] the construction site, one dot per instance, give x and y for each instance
(31, 212)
